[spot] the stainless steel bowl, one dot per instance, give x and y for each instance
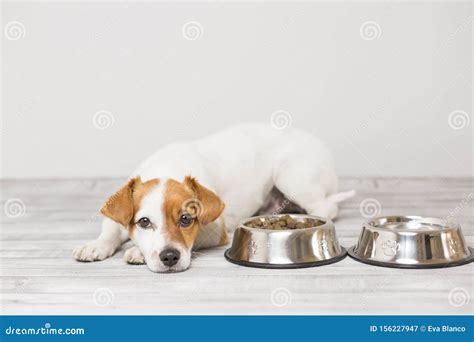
(411, 242)
(295, 248)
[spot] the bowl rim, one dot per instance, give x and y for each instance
(445, 224)
(328, 224)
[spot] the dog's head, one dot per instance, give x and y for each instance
(163, 218)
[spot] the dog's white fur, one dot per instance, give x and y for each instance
(241, 164)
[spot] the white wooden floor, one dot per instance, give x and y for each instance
(39, 276)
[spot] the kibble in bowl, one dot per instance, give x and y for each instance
(282, 222)
(285, 241)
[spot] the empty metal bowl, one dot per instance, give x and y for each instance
(285, 248)
(411, 242)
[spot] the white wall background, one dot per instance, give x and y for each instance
(382, 105)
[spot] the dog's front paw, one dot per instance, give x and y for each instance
(93, 251)
(134, 256)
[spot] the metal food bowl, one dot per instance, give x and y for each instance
(285, 248)
(411, 242)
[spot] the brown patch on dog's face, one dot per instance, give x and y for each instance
(176, 196)
(189, 198)
(122, 205)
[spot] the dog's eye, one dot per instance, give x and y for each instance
(185, 220)
(144, 222)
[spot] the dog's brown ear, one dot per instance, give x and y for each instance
(119, 207)
(209, 205)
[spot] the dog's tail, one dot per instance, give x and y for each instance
(341, 196)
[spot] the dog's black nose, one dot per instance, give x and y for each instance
(170, 256)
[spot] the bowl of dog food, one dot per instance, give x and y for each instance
(285, 241)
(411, 242)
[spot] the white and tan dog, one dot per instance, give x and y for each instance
(167, 212)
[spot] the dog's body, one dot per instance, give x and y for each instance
(239, 167)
